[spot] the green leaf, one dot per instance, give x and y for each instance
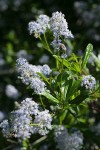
(62, 116)
(75, 66)
(73, 112)
(44, 78)
(50, 97)
(73, 88)
(70, 45)
(88, 52)
(65, 62)
(79, 99)
(96, 59)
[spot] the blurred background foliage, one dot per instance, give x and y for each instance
(83, 18)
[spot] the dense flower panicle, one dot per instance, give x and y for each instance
(61, 136)
(56, 44)
(75, 141)
(5, 128)
(88, 82)
(43, 20)
(40, 26)
(35, 28)
(38, 85)
(30, 106)
(66, 141)
(44, 120)
(21, 62)
(59, 26)
(29, 74)
(20, 121)
(11, 91)
(46, 70)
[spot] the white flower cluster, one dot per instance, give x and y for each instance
(5, 128)
(37, 85)
(56, 44)
(66, 141)
(22, 125)
(59, 26)
(11, 91)
(44, 120)
(88, 82)
(39, 26)
(29, 76)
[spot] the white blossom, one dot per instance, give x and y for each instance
(88, 82)
(59, 26)
(46, 70)
(11, 91)
(38, 85)
(68, 141)
(27, 120)
(5, 128)
(44, 120)
(39, 26)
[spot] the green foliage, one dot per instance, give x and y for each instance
(88, 52)
(70, 102)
